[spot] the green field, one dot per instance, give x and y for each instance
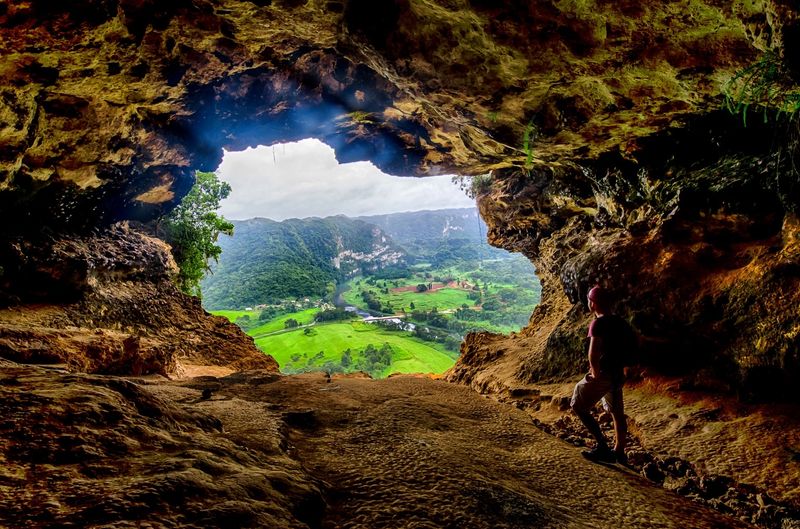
(445, 298)
(498, 297)
(298, 349)
(293, 349)
(234, 315)
(303, 317)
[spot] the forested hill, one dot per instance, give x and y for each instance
(267, 260)
(462, 223)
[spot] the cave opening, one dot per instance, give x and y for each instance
(408, 256)
(356, 116)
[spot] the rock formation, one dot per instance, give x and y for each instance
(599, 121)
(105, 303)
(609, 159)
(701, 253)
(300, 452)
(107, 451)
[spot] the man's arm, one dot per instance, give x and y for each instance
(595, 346)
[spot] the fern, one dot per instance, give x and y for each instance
(765, 84)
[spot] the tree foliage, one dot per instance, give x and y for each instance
(193, 227)
(337, 314)
(269, 261)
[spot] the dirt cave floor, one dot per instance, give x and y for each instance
(256, 449)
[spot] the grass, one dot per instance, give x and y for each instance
(303, 317)
(766, 84)
(234, 315)
(411, 355)
(443, 299)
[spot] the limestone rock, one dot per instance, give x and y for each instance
(109, 107)
(599, 122)
(105, 304)
(106, 451)
(701, 253)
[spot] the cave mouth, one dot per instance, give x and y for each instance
(312, 235)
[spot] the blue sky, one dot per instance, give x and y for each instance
(303, 179)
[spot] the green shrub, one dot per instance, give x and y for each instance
(473, 186)
(480, 184)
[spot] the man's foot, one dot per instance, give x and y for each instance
(621, 458)
(601, 454)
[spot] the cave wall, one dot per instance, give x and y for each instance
(109, 106)
(699, 247)
(631, 175)
(106, 303)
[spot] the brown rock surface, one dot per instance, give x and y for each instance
(630, 173)
(109, 452)
(704, 262)
(105, 304)
(110, 105)
(402, 452)
(736, 457)
(632, 176)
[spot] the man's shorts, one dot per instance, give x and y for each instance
(591, 389)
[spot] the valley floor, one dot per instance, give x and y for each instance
(264, 450)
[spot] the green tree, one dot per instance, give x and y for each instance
(347, 359)
(193, 227)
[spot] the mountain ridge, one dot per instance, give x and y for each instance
(409, 226)
(268, 260)
(470, 214)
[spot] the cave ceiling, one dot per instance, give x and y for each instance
(107, 107)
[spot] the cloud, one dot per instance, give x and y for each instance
(303, 179)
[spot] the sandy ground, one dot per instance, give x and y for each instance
(419, 453)
(259, 449)
(194, 370)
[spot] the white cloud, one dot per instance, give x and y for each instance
(303, 179)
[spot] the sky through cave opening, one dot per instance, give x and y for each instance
(304, 179)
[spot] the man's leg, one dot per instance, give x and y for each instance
(620, 432)
(586, 394)
(594, 428)
(617, 409)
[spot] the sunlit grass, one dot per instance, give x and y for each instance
(234, 315)
(411, 355)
